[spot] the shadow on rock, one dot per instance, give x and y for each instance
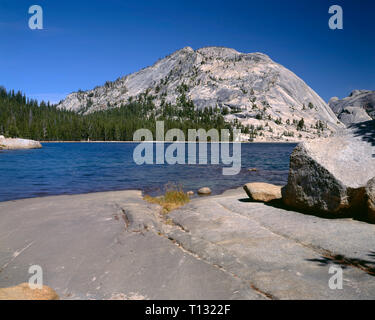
(365, 130)
(367, 266)
(279, 204)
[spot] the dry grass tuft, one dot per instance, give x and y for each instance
(173, 198)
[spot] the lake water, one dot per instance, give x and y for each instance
(71, 168)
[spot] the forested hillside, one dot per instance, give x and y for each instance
(26, 118)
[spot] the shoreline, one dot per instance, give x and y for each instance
(121, 190)
(264, 252)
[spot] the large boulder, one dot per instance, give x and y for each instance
(24, 292)
(330, 175)
(264, 192)
(16, 143)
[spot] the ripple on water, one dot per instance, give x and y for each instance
(71, 168)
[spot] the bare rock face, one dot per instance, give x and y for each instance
(370, 193)
(16, 143)
(264, 192)
(248, 87)
(330, 175)
(351, 115)
(24, 292)
(358, 107)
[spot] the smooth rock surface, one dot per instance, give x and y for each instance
(16, 143)
(329, 175)
(114, 245)
(282, 253)
(264, 192)
(24, 292)
(108, 245)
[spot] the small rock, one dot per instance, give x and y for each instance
(190, 193)
(370, 193)
(204, 191)
(265, 192)
(24, 292)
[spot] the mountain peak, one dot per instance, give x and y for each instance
(249, 88)
(229, 53)
(218, 51)
(185, 49)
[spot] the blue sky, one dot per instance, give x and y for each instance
(85, 43)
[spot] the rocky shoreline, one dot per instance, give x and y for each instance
(115, 245)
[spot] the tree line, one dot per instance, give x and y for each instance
(26, 118)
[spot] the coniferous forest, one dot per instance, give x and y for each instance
(26, 118)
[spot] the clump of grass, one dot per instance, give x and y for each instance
(173, 198)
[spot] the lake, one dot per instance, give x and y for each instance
(72, 168)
